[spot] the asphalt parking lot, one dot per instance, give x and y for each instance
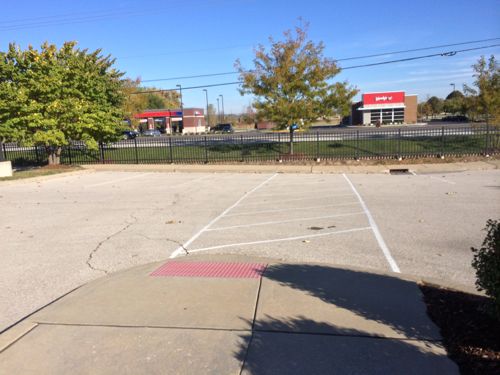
(62, 232)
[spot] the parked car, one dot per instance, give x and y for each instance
(456, 118)
(222, 128)
(129, 134)
(151, 133)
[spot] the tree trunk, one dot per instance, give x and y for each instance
(54, 155)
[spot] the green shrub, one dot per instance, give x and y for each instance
(487, 264)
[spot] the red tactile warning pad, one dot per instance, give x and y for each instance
(211, 269)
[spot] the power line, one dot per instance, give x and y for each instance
(443, 54)
(416, 49)
(343, 59)
(450, 53)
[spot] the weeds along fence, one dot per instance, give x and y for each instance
(270, 147)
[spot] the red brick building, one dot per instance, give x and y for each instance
(394, 107)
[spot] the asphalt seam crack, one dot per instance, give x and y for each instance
(94, 252)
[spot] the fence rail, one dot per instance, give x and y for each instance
(261, 147)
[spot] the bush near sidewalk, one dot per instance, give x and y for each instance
(487, 264)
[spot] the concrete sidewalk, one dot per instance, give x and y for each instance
(224, 316)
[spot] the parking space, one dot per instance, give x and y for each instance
(317, 218)
(62, 232)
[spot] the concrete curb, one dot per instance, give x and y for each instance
(307, 169)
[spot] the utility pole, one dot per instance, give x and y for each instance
(222, 99)
(208, 115)
(182, 107)
(218, 111)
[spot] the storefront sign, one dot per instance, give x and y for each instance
(384, 98)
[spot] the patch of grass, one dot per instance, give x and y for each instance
(40, 171)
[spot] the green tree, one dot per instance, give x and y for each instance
(435, 105)
(487, 74)
(292, 82)
(49, 97)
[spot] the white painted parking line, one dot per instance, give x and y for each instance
(296, 200)
(443, 180)
(376, 231)
(413, 173)
(285, 221)
(293, 209)
(278, 240)
(118, 180)
(180, 249)
(286, 193)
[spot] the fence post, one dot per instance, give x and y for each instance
(442, 142)
(136, 151)
(101, 152)
(317, 145)
(399, 143)
(170, 147)
(357, 145)
(69, 154)
(487, 143)
(242, 149)
(206, 150)
(37, 155)
(279, 146)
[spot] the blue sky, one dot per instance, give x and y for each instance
(162, 39)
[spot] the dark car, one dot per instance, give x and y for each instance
(222, 128)
(129, 134)
(151, 133)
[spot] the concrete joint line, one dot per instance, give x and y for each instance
(254, 317)
(376, 231)
(94, 251)
(179, 250)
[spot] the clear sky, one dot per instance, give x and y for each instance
(155, 39)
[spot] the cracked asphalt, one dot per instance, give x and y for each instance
(60, 233)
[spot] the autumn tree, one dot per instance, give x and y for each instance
(50, 97)
(292, 81)
(139, 98)
(487, 91)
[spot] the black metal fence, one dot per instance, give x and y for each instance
(268, 147)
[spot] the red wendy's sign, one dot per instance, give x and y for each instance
(384, 98)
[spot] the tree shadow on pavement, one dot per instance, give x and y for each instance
(292, 343)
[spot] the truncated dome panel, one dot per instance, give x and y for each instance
(210, 269)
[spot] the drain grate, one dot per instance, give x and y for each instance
(210, 269)
(399, 171)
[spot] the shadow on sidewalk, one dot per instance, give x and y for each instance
(300, 345)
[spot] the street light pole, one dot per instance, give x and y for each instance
(218, 111)
(452, 84)
(222, 99)
(208, 115)
(182, 108)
